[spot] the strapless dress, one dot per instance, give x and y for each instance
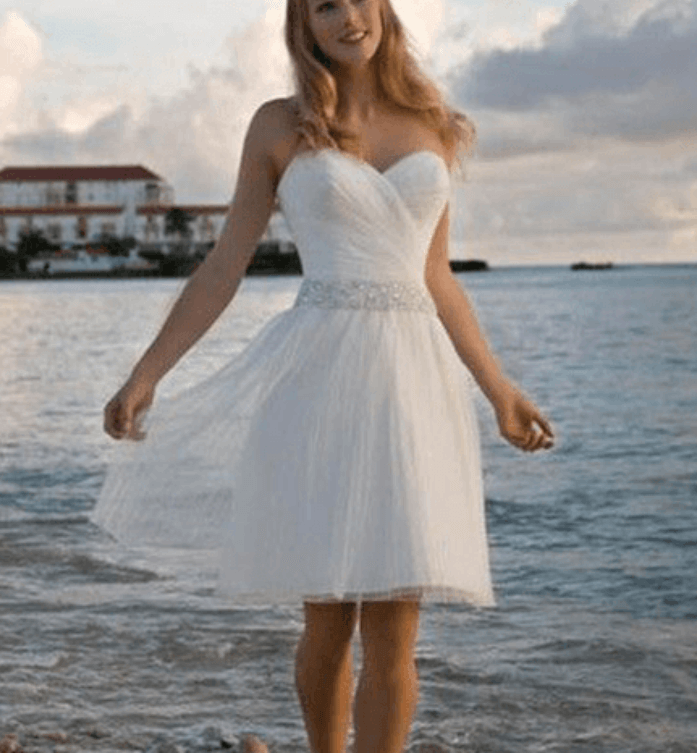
(337, 457)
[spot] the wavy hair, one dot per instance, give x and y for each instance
(400, 80)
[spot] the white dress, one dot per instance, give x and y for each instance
(336, 457)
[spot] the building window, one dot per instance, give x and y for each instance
(109, 229)
(82, 227)
(152, 193)
(71, 193)
(207, 229)
(53, 232)
(53, 196)
(152, 230)
(3, 230)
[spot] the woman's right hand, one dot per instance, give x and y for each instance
(124, 411)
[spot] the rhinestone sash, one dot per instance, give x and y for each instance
(365, 294)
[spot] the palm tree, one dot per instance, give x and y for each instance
(32, 242)
(177, 222)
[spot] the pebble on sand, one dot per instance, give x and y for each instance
(252, 744)
(10, 744)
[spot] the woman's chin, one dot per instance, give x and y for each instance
(353, 56)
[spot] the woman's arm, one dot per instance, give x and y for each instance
(520, 421)
(211, 288)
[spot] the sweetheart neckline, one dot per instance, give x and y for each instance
(313, 153)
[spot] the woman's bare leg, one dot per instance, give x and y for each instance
(388, 687)
(323, 674)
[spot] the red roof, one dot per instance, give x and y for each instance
(61, 209)
(193, 209)
(75, 173)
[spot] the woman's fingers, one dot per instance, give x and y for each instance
(521, 439)
(545, 424)
(113, 420)
(541, 431)
(530, 434)
(547, 441)
(533, 440)
(543, 441)
(118, 419)
(523, 425)
(123, 414)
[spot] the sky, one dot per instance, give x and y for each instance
(586, 111)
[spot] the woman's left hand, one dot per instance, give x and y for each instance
(522, 423)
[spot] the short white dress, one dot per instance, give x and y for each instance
(337, 457)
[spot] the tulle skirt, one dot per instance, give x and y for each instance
(336, 458)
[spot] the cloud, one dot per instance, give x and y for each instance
(626, 72)
(422, 19)
(20, 46)
(679, 211)
(21, 54)
(105, 138)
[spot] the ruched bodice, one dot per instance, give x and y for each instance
(341, 210)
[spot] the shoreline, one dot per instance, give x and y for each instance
(262, 265)
(268, 269)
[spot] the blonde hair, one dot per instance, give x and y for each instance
(400, 79)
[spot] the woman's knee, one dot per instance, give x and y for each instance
(329, 626)
(388, 634)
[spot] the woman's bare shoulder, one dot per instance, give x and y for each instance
(278, 114)
(274, 129)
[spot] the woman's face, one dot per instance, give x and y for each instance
(347, 31)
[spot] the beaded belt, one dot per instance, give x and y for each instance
(365, 294)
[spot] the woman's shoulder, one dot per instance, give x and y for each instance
(274, 128)
(280, 112)
(276, 119)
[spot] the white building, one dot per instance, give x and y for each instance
(206, 224)
(76, 205)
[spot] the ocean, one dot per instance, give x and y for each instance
(592, 646)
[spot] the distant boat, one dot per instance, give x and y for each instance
(591, 265)
(468, 265)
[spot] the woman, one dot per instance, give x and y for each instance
(336, 460)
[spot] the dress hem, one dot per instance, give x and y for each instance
(422, 594)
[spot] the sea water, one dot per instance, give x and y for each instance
(592, 646)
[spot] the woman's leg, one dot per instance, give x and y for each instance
(323, 674)
(388, 687)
